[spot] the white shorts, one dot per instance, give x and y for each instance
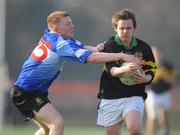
(113, 111)
(154, 102)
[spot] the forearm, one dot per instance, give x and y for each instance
(91, 48)
(100, 57)
(117, 71)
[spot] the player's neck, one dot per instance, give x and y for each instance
(127, 44)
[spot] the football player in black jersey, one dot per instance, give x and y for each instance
(118, 101)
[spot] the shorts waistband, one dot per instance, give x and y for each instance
(17, 88)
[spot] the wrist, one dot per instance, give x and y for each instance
(121, 56)
(148, 78)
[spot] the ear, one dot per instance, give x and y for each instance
(115, 29)
(55, 28)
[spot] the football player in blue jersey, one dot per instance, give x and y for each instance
(30, 91)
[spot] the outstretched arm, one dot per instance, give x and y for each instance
(91, 48)
(100, 57)
(98, 48)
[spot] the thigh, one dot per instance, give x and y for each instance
(21, 99)
(109, 112)
(28, 102)
(133, 103)
(133, 112)
(47, 115)
(134, 119)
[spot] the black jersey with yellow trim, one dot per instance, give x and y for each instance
(162, 82)
(111, 87)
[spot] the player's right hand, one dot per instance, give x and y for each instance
(130, 67)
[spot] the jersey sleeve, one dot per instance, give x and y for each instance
(149, 64)
(73, 50)
(165, 70)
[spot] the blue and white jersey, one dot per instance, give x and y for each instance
(47, 59)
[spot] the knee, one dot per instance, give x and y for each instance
(46, 131)
(42, 131)
(135, 130)
(57, 124)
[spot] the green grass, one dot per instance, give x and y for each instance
(68, 131)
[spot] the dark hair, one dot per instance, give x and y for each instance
(123, 14)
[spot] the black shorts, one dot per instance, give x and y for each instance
(27, 102)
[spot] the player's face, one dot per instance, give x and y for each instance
(65, 27)
(125, 30)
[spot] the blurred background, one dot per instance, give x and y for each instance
(74, 92)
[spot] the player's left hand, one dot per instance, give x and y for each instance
(140, 77)
(100, 46)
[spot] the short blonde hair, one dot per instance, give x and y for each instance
(55, 17)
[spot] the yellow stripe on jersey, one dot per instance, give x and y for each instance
(148, 63)
(105, 68)
(163, 74)
(152, 70)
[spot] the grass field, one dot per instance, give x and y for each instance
(68, 131)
